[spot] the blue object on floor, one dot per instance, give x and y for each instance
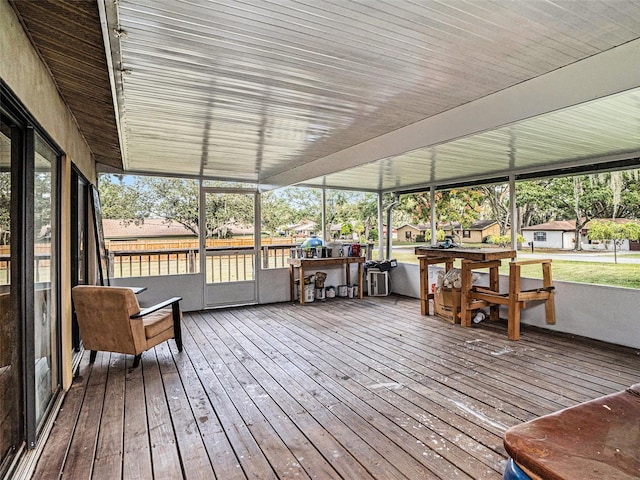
(514, 472)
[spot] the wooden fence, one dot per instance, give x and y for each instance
(158, 244)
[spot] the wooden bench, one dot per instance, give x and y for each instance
(515, 299)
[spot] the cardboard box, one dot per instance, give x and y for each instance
(446, 304)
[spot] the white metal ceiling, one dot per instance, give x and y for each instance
(599, 131)
(280, 92)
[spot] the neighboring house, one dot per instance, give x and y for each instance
(304, 228)
(409, 232)
(335, 230)
(555, 234)
(156, 233)
(625, 244)
(149, 229)
(561, 234)
(475, 233)
(478, 231)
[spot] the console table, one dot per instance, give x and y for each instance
(318, 263)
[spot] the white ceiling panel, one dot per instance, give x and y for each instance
(279, 92)
(590, 133)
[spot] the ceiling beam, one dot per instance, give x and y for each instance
(598, 76)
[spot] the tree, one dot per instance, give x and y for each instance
(276, 212)
(497, 197)
(629, 205)
(614, 232)
(134, 198)
(535, 202)
(452, 206)
(346, 229)
(504, 240)
(367, 214)
(120, 200)
(304, 203)
(583, 198)
(174, 199)
(5, 208)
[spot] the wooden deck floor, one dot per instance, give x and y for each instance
(345, 389)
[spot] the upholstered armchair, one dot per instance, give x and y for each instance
(110, 320)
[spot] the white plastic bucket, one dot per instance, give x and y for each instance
(309, 294)
(343, 290)
(320, 293)
(336, 249)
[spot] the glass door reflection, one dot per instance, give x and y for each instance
(45, 275)
(11, 384)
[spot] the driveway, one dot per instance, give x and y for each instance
(590, 256)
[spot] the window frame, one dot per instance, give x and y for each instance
(540, 236)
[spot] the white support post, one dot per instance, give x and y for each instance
(323, 219)
(432, 200)
(514, 212)
(381, 228)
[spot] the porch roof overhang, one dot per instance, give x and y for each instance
(370, 96)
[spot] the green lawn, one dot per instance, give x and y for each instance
(620, 275)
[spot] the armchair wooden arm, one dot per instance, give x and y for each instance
(157, 306)
(176, 316)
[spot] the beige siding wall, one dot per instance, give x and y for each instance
(402, 231)
(475, 237)
(478, 235)
(27, 76)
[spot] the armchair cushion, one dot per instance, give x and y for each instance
(157, 322)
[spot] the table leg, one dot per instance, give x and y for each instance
(292, 283)
(424, 286)
(549, 304)
(301, 284)
(347, 272)
(465, 313)
(494, 284)
(513, 321)
(425, 283)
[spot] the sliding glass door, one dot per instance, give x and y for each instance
(11, 381)
(29, 280)
(45, 284)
